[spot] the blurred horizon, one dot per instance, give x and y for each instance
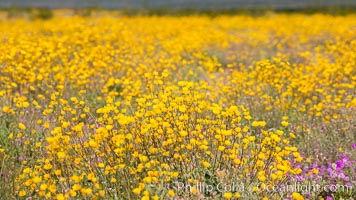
(176, 4)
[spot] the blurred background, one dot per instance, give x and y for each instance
(176, 4)
(46, 9)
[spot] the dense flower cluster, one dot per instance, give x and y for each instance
(129, 107)
(341, 172)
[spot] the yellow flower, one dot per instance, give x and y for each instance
(292, 135)
(93, 144)
(52, 188)
(6, 109)
(262, 123)
(171, 193)
(47, 166)
(74, 100)
(43, 187)
(205, 164)
(145, 198)
(129, 136)
(182, 108)
(284, 123)
(297, 196)
(183, 133)
(60, 197)
(88, 191)
(37, 179)
(73, 193)
(227, 195)
(61, 155)
(274, 176)
(136, 191)
(237, 195)
(221, 148)
(262, 178)
(255, 123)
(46, 125)
(22, 193)
(58, 172)
(76, 187)
(315, 171)
(22, 126)
(102, 193)
(75, 178)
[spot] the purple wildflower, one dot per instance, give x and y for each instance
(21, 158)
(354, 146)
(339, 165)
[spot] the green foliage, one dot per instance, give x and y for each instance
(44, 14)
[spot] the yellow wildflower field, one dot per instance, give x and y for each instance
(191, 107)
